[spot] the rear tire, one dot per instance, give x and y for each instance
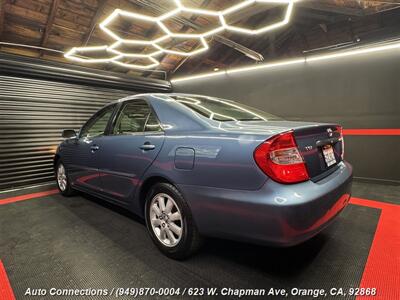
(170, 222)
(62, 180)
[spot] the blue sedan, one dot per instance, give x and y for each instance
(195, 166)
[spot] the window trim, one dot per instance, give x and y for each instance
(114, 105)
(143, 132)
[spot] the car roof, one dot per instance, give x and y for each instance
(150, 95)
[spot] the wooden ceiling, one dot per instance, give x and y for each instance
(61, 24)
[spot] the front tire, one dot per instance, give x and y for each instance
(170, 222)
(62, 179)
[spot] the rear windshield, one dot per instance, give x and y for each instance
(223, 110)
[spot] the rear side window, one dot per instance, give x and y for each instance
(97, 125)
(135, 117)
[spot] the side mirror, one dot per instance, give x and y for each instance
(69, 133)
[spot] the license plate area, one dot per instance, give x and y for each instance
(329, 155)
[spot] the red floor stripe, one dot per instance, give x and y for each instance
(391, 131)
(27, 196)
(373, 203)
(382, 270)
(6, 292)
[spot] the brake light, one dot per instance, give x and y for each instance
(281, 160)
(339, 129)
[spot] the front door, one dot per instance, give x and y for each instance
(83, 152)
(132, 145)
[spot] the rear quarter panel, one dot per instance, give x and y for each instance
(220, 160)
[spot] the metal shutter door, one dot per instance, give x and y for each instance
(32, 115)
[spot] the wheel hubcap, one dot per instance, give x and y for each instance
(61, 178)
(166, 220)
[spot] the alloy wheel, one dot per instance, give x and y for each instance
(166, 219)
(61, 177)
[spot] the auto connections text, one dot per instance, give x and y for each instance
(140, 292)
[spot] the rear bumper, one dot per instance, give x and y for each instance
(277, 214)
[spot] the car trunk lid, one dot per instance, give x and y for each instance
(321, 147)
(320, 144)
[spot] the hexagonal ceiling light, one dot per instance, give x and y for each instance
(126, 58)
(127, 48)
(168, 33)
(134, 16)
(88, 54)
(137, 61)
(154, 42)
(169, 50)
(217, 6)
(289, 9)
(200, 33)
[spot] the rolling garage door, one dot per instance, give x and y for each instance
(38, 100)
(33, 114)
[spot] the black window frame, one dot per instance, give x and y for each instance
(118, 113)
(106, 130)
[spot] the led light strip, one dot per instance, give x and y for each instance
(154, 64)
(119, 12)
(72, 54)
(194, 52)
(113, 49)
(286, 20)
(156, 42)
(366, 50)
(222, 13)
(180, 7)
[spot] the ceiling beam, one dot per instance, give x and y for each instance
(349, 11)
(239, 47)
(49, 25)
(93, 23)
(339, 9)
(316, 15)
(249, 12)
(180, 64)
(184, 27)
(196, 64)
(184, 21)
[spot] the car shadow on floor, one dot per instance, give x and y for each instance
(276, 262)
(280, 262)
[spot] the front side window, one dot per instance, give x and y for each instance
(135, 117)
(98, 124)
(223, 110)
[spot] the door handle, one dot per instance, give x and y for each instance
(94, 148)
(147, 146)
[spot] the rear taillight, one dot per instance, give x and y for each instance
(281, 160)
(339, 129)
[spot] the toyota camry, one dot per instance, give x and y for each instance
(194, 166)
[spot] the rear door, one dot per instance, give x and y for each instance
(81, 154)
(133, 143)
